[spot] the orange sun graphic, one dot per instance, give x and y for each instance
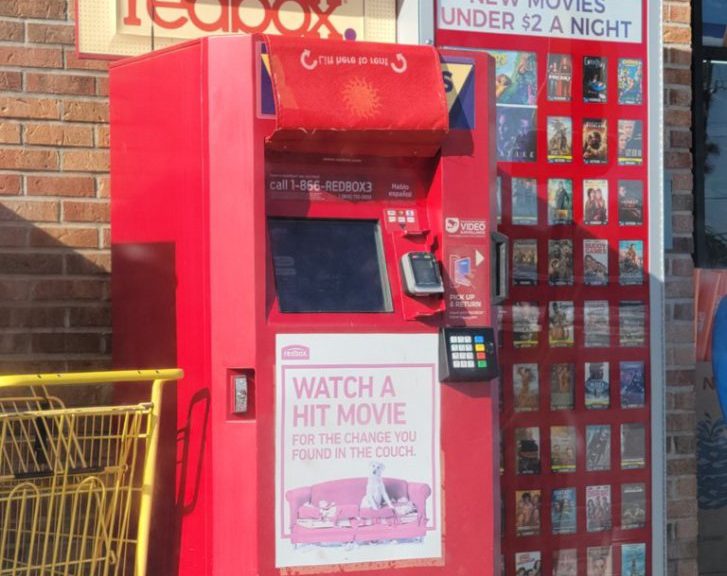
(361, 98)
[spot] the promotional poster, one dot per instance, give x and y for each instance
(598, 508)
(597, 393)
(527, 512)
(630, 81)
(633, 506)
(595, 141)
(595, 79)
(630, 203)
(630, 143)
(595, 262)
(595, 202)
(633, 446)
(527, 441)
(600, 562)
(562, 386)
(560, 201)
(563, 448)
(357, 443)
(525, 387)
(560, 323)
(560, 139)
(560, 262)
(524, 201)
(525, 262)
(596, 324)
(633, 385)
(598, 447)
(560, 77)
(563, 511)
(565, 562)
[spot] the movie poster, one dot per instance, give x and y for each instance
(562, 386)
(598, 393)
(563, 510)
(560, 77)
(560, 262)
(524, 201)
(633, 559)
(595, 262)
(633, 385)
(326, 434)
(599, 561)
(527, 563)
(560, 139)
(565, 562)
(525, 385)
(516, 134)
(563, 448)
(633, 506)
(525, 262)
(598, 447)
(633, 446)
(595, 141)
(525, 324)
(596, 324)
(595, 79)
(595, 202)
(630, 203)
(598, 508)
(630, 143)
(631, 262)
(527, 512)
(527, 442)
(560, 201)
(560, 323)
(516, 77)
(631, 323)
(630, 81)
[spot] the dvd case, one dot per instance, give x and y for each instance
(525, 201)
(562, 386)
(560, 262)
(560, 77)
(630, 262)
(565, 562)
(563, 448)
(525, 262)
(526, 397)
(630, 81)
(595, 141)
(560, 201)
(598, 447)
(595, 202)
(560, 324)
(633, 560)
(633, 506)
(630, 202)
(597, 386)
(630, 143)
(598, 508)
(632, 323)
(596, 324)
(527, 512)
(527, 441)
(528, 563)
(633, 446)
(516, 134)
(595, 79)
(563, 511)
(516, 77)
(560, 139)
(595, 262)
(525, 324)
(599, 561)
(633, 385)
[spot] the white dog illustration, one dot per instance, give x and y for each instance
(376, 494)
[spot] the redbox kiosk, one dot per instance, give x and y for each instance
(306, 227)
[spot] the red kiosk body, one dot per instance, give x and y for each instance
(337, 411)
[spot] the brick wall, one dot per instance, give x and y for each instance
(54, 232)
(680, 350)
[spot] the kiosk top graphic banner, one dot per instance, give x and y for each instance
(604, 20)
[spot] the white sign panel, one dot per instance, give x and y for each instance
(357, 449)
(601, 20)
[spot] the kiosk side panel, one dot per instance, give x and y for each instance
(159, 284)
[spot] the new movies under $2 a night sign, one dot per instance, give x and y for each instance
(355, 412)
(603, 20)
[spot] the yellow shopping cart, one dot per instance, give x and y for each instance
(76, 482)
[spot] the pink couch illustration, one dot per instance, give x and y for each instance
(330, 512)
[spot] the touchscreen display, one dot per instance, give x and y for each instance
(329, 265)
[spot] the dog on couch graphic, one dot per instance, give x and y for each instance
(376, 495)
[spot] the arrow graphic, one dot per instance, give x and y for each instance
(304, 56)
(400, 66)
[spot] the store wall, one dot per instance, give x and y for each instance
(54, 190)
(681, 495)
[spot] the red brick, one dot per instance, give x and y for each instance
(680, 139)
(683, 182)
(103, 136)
(677, 34)
(13, 236)
(41, 9)
(103, 187)
(63, 237)
(58, 135)
(11, 31)
(679, 14)
(85, 211)
(30, 263)
(9, 133)
(681, 56)
(88, 264)
(30, 210)
(24, 107)
(31, 57)
(681, 76)
(676, 117)
(68, 290)
(106, 238)
(86, 160)
(10, 184)
(102, 86)
(51, 33)
(76, 186)
(679, 97)
(26, 159)
(13, 290)
(677, 159)
(88, 316)
(60, 83)
(68, 343)
(10, 81)
(86, 111)
(17, 343)
(73, 62)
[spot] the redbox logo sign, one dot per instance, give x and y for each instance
(310, 18)
(295, 352)
(465, 227)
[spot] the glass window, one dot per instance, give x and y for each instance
(714, 22)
